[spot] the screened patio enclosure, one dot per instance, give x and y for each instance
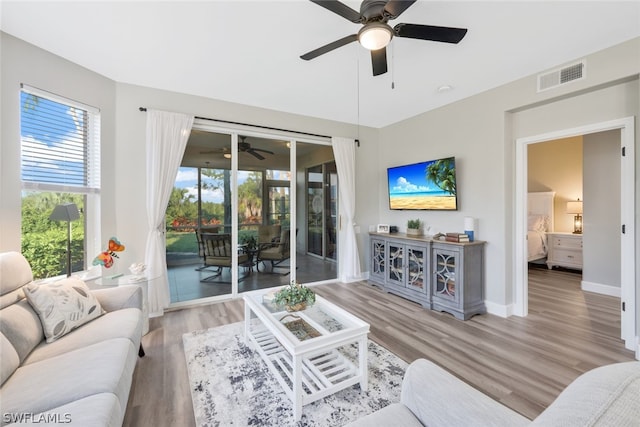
(276, 225)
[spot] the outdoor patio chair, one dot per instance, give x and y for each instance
(218, 253)
(275, 253)
(268, 234)
(199, 231)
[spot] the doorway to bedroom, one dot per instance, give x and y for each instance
(603, 253)
(555, 181)
(574, 209)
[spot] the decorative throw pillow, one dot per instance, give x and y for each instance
(62, 306)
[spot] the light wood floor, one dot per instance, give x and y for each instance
(522, 362)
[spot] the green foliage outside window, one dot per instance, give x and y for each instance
(44, 242)
(182, 210)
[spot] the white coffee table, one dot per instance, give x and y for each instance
(328, 354)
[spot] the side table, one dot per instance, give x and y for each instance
(565, 250)
(130, 279)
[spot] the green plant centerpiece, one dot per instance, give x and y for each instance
(414, 227)
(295, 296)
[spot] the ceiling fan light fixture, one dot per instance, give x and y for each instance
(227, 155)
(375, 35)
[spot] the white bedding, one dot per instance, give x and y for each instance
(537, 244)
(540, 207)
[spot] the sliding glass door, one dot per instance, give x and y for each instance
(239, 218)
(322, 210)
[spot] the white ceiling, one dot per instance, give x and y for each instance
(248, 51)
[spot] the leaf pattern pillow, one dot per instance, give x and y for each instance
(62, 306)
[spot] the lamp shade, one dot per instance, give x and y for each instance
(65, 212)
(574, 207)
(375, 35)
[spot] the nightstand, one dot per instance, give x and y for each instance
(565, 250)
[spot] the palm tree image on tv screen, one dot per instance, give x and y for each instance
(427, 185)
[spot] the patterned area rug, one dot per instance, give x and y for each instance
(231, 385)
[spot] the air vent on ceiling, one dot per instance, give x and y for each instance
(561, 76)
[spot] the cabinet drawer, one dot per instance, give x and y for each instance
(566, 242)
(567, 256)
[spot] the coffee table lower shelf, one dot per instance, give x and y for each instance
(321, 374)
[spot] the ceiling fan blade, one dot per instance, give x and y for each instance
(394, 8)
(254, 154)
(379, 61)
(329, 47)
(339, 9)
(264, 151)
(429, 32)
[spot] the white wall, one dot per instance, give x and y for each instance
(481, 132)
(557, 166)
(25, 63)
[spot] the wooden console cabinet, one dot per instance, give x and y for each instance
(440, 275)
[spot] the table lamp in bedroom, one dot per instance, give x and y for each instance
(575, 208)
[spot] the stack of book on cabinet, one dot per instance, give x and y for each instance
(456, 237)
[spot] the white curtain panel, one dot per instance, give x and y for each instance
(344, 151)
(167, 135)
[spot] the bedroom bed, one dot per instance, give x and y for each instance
(540, 220)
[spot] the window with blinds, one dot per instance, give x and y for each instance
(60, 163)
(59, 141)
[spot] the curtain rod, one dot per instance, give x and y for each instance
(259, 126)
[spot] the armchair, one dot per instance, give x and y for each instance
(199, 231)
(217, 253)
(275, 253)
(268, 234)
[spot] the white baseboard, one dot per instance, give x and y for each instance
(599, 288)
(364, 276)
(499, 309)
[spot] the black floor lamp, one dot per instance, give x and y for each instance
(66, 212)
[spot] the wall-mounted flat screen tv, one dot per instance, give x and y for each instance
(424, 186)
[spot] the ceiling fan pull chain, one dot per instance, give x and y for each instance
(393, 68)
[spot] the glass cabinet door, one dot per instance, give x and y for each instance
(396, 263)
(416, 259)
(444, 272)
(378, 256)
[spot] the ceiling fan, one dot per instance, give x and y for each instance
(376, 34)
(243, 147)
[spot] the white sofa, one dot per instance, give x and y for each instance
(82, 378)
(606, 396)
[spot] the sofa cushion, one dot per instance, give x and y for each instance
(9, 360)
(105, 367)
(21, 325)
(125, 323)
(605, 396)
(439, 399)
(63, 305)
(15, 272)
(395, 414)
(98, 410)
